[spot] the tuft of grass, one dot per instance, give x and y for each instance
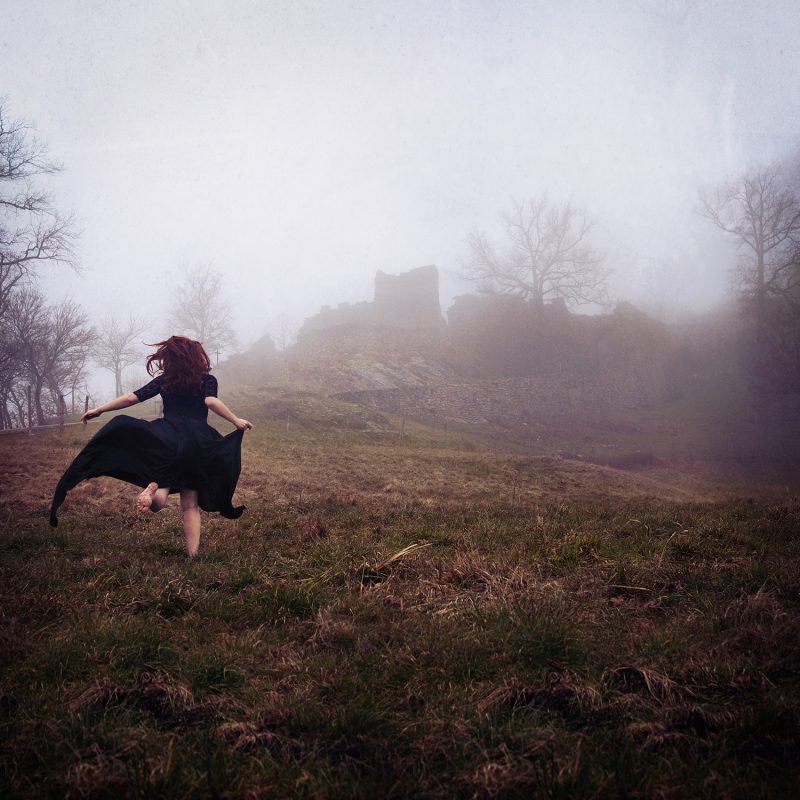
(400, 616)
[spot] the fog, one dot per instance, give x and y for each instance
(298, 147)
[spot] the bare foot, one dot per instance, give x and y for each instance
(145, 499)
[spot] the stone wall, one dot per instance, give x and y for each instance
(408, 300)
(511, 338)
(519, 399)
(497, 357)
(341, 340)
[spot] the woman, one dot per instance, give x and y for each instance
(179, 453)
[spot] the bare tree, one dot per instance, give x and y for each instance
(545, 255)
(202, 311)
(32, 232)
(53, 344)
(117, 346)
(777, 367)
(282, 331)
(10, 370)
(762, 214)
(41, 346)
(136, 378)
(23, 323)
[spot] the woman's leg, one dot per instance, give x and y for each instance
(152, 498)
(191, 520)
(159, 499)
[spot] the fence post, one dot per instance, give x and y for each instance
(62, 409)
(30, 409)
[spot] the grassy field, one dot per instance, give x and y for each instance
(401, 616)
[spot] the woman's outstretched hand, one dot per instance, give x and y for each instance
(90, 414)
(242, 424)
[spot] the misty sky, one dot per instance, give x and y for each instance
(300, 146)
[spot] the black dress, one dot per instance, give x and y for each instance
(181, 451)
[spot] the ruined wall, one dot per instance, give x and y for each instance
(497, 358)
(549, 363)
(344, 315)
(408, 300)
(511, 338)
(519, 399)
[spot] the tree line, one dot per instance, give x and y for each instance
(544, 253)
(46, 349)
(42, 346)
(760, 213)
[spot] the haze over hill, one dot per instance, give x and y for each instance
(520, 524)
(286, 153)
(298, 147)
(552, 381)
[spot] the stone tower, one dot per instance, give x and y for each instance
(408, 300)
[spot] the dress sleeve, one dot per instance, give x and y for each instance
(149, 389)
(209, 386)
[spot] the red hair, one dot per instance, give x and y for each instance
(182, 361)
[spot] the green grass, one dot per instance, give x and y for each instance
(559, 630)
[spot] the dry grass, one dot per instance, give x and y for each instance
(414, 616)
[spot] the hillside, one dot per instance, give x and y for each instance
(403, 610)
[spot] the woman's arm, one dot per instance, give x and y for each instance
(218, 407)
(123, 401)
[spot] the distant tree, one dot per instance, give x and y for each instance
(777, 362)
(136, 378)
(545, 254)
(283, 331)
(10, 370)
(760, 211)
(762, 214)
(32, 232)
(117, 346)
(53, 343)
(23, 322)
(201, 310)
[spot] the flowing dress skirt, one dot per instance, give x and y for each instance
(179, 452)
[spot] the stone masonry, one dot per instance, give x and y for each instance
(518, 399)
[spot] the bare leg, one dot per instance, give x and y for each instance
(191, 520)
(152, 498)
(160, 499)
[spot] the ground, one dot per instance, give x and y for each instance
(402, 615)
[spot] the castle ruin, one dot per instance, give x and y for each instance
(409, 300)
(495, 357)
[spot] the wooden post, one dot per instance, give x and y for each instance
(62, 409)
(30, 409)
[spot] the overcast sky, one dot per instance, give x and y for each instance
(299, 146)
